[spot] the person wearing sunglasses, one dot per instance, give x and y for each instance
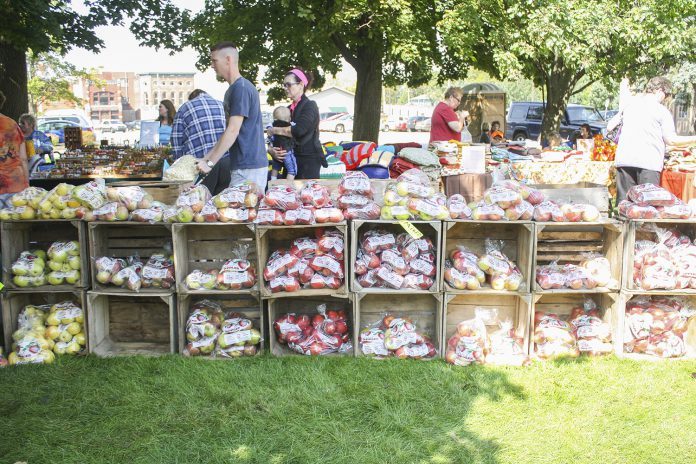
(304, 127)
(648, 127)
(446, 124)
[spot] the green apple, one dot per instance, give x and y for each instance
(55, 214)
(69, 213)
(73, 248)
(54, 278)
(255, 337)
(208, 329)
(53, 320)
(65, 336)
(60, 347)
(73, 347)
(184, 214)
(60, 203)
(63, 189)
(72, 277)
(5, 214)
(103, 277)
(74, 328)
(121, 213)
(45, 206)
(21, 281)
(80, 338)
(38, 280)
(52, 332)
(80, 317)
(55, 265)
(39, 254)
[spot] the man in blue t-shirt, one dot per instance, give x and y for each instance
(244, 135)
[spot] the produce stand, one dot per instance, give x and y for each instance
(572, 172)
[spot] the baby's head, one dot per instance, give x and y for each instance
(282, 113)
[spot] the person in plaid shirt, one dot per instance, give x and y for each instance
(198, 125)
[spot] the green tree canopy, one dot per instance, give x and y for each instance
(387, 42)
(564, 46)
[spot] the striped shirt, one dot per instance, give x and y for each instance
(198, 125)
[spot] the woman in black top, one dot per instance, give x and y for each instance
(304, 129)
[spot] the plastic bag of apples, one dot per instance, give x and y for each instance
(323, 333)
(355, 197)
(395, 336)
(238, 272)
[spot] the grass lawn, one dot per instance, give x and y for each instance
(303, 410)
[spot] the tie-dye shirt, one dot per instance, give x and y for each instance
(13, 172)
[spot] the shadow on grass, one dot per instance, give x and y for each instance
(261, 410)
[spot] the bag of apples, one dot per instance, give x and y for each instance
(631, 210)
(506, 347)
(237, 337)
(402, 339)
(324, 333)
(238, 272)
(462, 271)
(598, 271)
(356, 197)
(458, 207)
(469, 344)
(202, 328)
(129, 277)
(503, 273)
(194, 197)
(158, 272)
(553, 337)
(551, 276)
(651, 195)
(593, 335)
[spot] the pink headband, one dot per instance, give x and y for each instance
(300, 75)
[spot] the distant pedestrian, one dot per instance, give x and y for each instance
(167, 112)
(445, 123)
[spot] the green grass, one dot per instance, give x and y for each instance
(302, 410)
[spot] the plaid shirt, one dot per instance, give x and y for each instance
(198, 125)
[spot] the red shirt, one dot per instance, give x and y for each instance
(440, 131)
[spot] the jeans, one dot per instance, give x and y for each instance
(289, 162)
(627, 177)
(257, 175)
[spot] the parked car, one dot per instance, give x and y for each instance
(608, 114)
(423, 125)
(53, 127)
(394, 123)
(330, 115)
(343, 123)
(112, 125)
(411, 124)
(524, 120)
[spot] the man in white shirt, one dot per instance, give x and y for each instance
(648, 127)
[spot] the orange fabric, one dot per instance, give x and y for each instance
(497, 134)
(13, 169)
(679, 183)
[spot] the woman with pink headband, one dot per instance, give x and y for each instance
(304, 128)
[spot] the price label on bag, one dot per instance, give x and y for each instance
(411, 229)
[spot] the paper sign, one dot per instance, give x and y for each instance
(149, 134)
(411, 229)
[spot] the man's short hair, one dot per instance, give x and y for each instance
(222, 45)
(658, 83)
(29, 118)
(454, 92)
(196, 93)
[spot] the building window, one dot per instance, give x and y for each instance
(154, 98)
(171, 83)
(147, 100)
(172, 95)
(95, 98)
(181, 96)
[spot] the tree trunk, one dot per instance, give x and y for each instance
(368, 97)
(13, 80)
(558, 90)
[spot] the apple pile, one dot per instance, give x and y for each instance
(282, 206)
(91, 195)
(190, 201)
(553, 337)
(132, 197)
(323, 333)
(153, 214)
(236, 274)
(649, 201)
(119, 272)
(465, 270)
(660, 326)
(311, 263)
(235, 204)
(203, 328)
(469, 344)
(396, 336)
(457, 207)
(567, 212)
(593, 335)
(317, 197)
(413, 197)
(356, 197)
(507, 200)
(62, 260)
(592, 272)
(65, 327)
(665, 264)
(24, 205)
(237, 338)
(387, 260)
(506, 347)
(158, 272)
(59, 203)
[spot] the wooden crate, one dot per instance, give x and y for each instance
(271, 238)
(165, 191)
(636, 230)
(208, 246)
(461, 307)
(72, 137)
(626, 297)
(425, 309)
(566, 243)
(306, 305)
(608, 303)
(430, 229)
(518, 238)
(13, 302)
(581, 193)
(125, 239)
(19, 236)
(249, 305)
(131, 324)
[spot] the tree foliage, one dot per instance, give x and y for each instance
(564, 46)
(387, 42)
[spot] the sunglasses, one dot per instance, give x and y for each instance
(459, 100)
(287, 85)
